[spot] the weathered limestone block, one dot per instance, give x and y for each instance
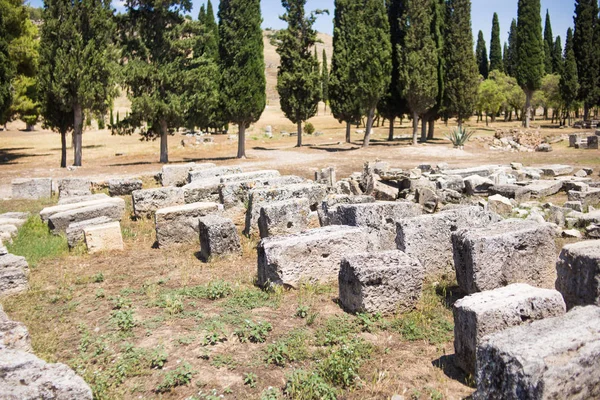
(481, 314)
(540, 189)
(385, 191)
(451, 182)
(428, 238)
(23, 216)
(218, 236)
(199, 175)
(23, 376)
(379, 219)
(82, 199)
(427, 198)
(380, 282)
(578, 273)
(313, 255)
(554, 358)
(124, 187)
(477, 185)
(518, 193)
(556, 170)
(179, 224)
(326, 176)
(147, 201)
(591, 197)
(106, 237)
(592, 142)
(236, 193)
(500, 205)
(12, 221)
(114, 208)
(7, 232)
(283, 217)
(315, 193)
(203, 190)
(75, 233)
(13, 274)
(255, 175)
(483, 171)
(31, 189)
(507, 252)
(177, 175)
(13, 335)
(47, 212)
(328, 209)
(70, 187)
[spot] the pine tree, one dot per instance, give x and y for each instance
(461, 67)
(548, 45)
(343, 103)
(298, 79)
(569, 80)
(481, 55)
(496, 62)
(325, 80)
(242, 64)
(393, 105)
(76, 64)
(587, 52)
(510, 55)
(557, 57)
(530, 50)
(371, 61)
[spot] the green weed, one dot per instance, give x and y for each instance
(305, 385)
(179, 377)
(250, 379)
(35, 242)
(254, 332)
(123, 319)
(291, 348)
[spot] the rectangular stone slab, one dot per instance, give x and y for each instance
(218, 237)
(179, 224)
(481, 314)
(31, 189)
(106, 237)
(82, 199)
(250, 175)
(47, 212)
(578, 273)
(313, 255)
(147, 201)
(75, 233)
(199, 175)
(177, 174)
(554, 358)
(236, 193)
(13, 274)
(283, 217)
(113, 209)
(124, 186)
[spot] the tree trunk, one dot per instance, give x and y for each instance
(164, 142)
(586, 112)
(348, 132)
(299, 130)
(423, 130)
(391, 130)
(63, 149)
(431, 134)
(369, 127)
(527, 119)
(486, 120)
(77, 133)
(415, 128)
(241, 140)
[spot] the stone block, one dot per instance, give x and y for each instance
(70, 187)
(518, 193)
(481, 314)
(202, 191)
(383, 282)
(477, 185)
(428, 238)
(82, 199)
(283, 217)
(484, 171)
(500, 205)
(255, 175)
(578, 273)
(23, 376)
(31, 189)
(539, 189)
(114, 208)
(556, 170)
(591, 197)
(451, 182)
(13, 274)
(106, 237)
(236, 193)
(592, 142)
(12, 221)
(124, 187)
(218, 236)
(147, 201)
(378, 219)
(177, 174)
(385, 191)
(511, 251)
(199, 175)
(427, 198)
(553, 358)
(326, 176)
(311, 256)
(75, 233)
(328, 209)
(13, 335)
(179, 224)
(47, 212)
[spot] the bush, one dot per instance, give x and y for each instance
(309, 128)
(255, 332)
(304, 385)
(123, 319)
(460, 136)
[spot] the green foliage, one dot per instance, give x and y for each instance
(460, 136)
(336, 330)
(569, 80)
(173, 304)
(305, 385)
(250, 379)
(530, 46)
(510, 55)
(302, 311)
(254, 332)
(587, 53)
(98, 277)
(481, 56)
(288, 349)
(179, 377)
(6, 72)
(158, 358)
(309, 128)
(214, 334)
(557, 57)
(340, 367)
(218, 289)
(491, 98)
(123, 319)
(548, 45)
(496, 62)
(270, 394)
(35, 242)
(251, 298)
(325, 79)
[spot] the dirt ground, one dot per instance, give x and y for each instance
(75, 300)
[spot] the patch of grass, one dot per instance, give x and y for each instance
(340, 367)
(35, 242)
(306, 385)
(270, 393)
(224, 361)
(215, 333)
(252, 298)
(180, 377)
(292, 347)
(123, 319)
(158, 358)
(254, 332)
(336, 330)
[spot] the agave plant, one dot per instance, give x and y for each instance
(460, 136)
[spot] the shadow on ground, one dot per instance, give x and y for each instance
(9, 156)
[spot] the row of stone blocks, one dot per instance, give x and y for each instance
(41, 188)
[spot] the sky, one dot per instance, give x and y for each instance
(561, 14)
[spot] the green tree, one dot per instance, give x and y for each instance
(325, 80)
(510, 55)
(514, 95)
(343, 102)
(490, 99)
(557, 57)
(6, 71)
(76, 63)
(569, 80)
(530, 50)
(548, 45)
(496, 62)
(462, 80)
(207, 42)
(298, 79)
(481, 55)
(587, 52)
(242, 64)
(438, 13)
(549, 92)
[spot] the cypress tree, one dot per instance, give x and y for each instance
(587, 52)
(325, 80)
(481, 55)
(371, 61)
(76, 65)
(393, 104)
(530, 50)
(298, 78)
(569, 80)
(208, 43)
(437, 30)
(548, 45)
(496, 63)
(242, 63)
(6, 72)
(343, 103)
(461, 67)
(557, 57)
(510, 55)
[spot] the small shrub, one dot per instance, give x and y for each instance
(309, 128)
(336, 330)
(270, 393)
(179, 377)
(173, 304)
(218, 290)
(340, 368)
(120, 303)
(460, 136)
(250, 379)
(123, 319)
(98, 278)
(100, 294)
(158, 358)
(288, 349)
(215, 333)
(254, 332)
(302, 311)
(224, 361)
(305, 385)
(368, 322)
